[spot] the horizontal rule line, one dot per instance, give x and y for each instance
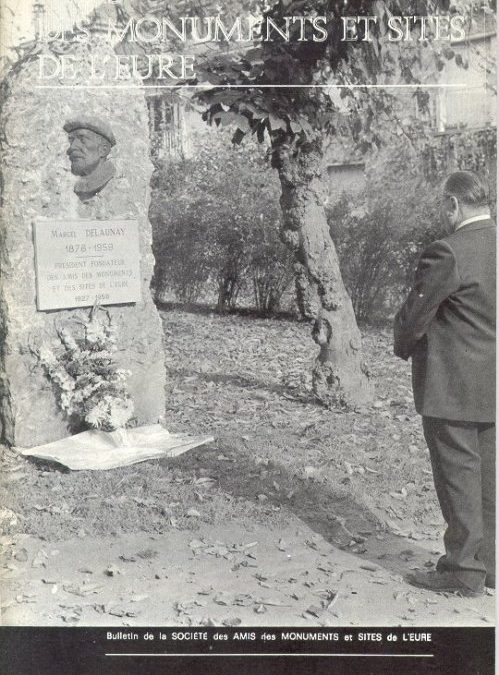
(389, 656)
(251, 86)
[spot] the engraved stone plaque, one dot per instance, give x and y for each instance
(80, 262)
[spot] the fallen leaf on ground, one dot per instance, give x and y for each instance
(82, 589)
(232, 621)
(21, 555)
(112, 571)
(222, 598)
(39, 559)
(148, 554)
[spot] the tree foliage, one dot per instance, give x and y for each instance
(299, 112)
(216, 220)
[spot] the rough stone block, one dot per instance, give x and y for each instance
(38, 183)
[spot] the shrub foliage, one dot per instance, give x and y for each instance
(216, 221)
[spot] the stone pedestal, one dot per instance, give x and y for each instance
(38, 183)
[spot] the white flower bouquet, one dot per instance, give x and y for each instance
(91, 390)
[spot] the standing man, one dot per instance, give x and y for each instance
(447, 326)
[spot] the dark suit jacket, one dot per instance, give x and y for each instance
(447, 325)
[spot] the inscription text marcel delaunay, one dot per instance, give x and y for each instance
(81, 262)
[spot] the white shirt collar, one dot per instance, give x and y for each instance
(473, 219)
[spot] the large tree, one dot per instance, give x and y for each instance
(297, 92)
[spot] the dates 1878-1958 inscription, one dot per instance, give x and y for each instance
(81, 262)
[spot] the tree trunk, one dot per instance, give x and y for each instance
(340, 377)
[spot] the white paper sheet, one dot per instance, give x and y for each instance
(102, 450)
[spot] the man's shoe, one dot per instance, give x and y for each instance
(441, 582)
(490, 580)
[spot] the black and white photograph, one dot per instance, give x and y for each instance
(247, 336)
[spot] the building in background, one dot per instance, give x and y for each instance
(461, 120)
(472, 104)
(173, 124)
(464, 117)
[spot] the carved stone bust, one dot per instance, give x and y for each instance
(90, 142)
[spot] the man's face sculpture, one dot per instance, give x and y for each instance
(86, 150)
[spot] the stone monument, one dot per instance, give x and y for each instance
(74, 231)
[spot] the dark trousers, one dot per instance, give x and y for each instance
(463, 462)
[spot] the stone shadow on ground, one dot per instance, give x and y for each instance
(244, 382)
(329, 512)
